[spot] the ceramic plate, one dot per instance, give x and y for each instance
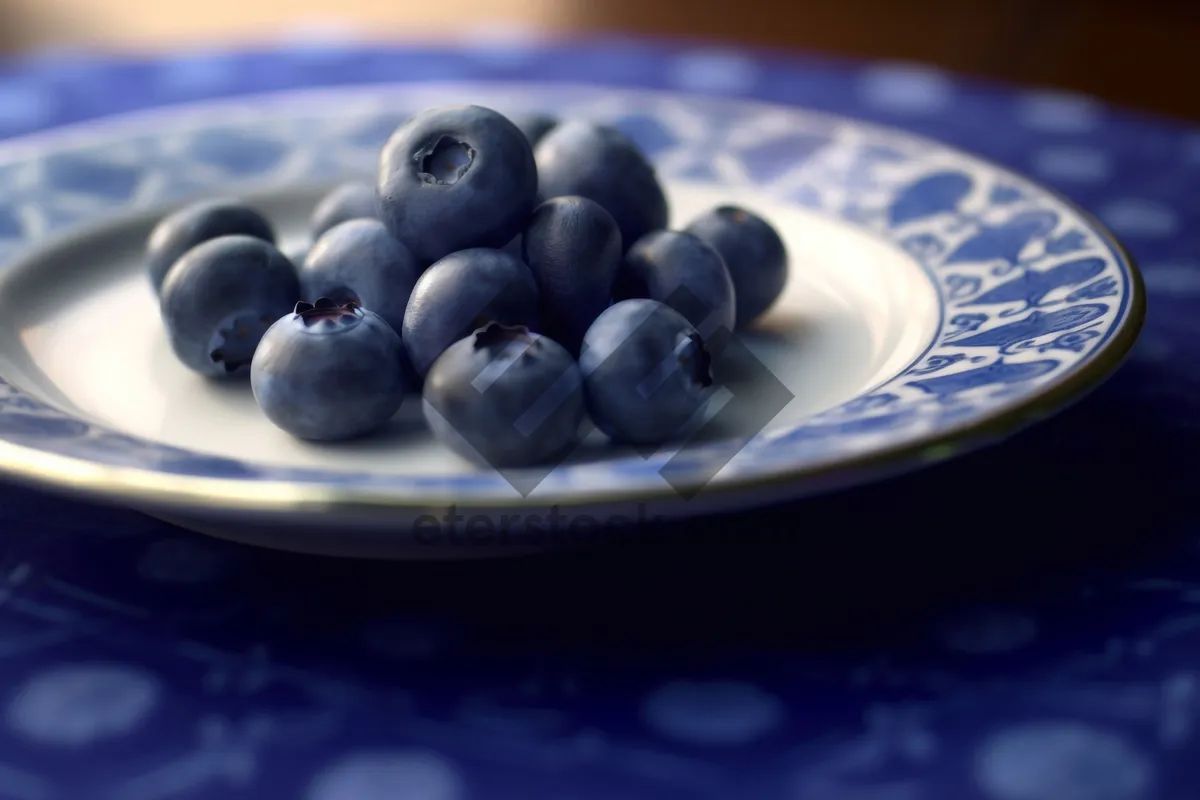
(936, 303)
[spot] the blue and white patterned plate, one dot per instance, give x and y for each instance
(937, 302)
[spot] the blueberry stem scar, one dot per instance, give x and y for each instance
(495, 333)
(325, 310)
(445, 162)
(498, 334)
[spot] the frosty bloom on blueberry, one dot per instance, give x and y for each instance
(463, 292)
(195, 224)
(329, 371)
(573, 247)
(682, 271)
(221, 297)
(603, 165)
(646, 372)
(505, 397)
(359, 261)
(753, 252)
(355, 200)
(456, 178)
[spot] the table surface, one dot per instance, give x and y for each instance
(891, 647)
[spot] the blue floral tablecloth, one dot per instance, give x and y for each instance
(1021, 624)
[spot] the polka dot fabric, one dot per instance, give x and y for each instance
(865, 646)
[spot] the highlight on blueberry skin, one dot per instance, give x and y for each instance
(360, 262)
(194, 224)
(329, 371)
(646, 372)
(573, 247)
(602, 164)
(463, 292)
(684, 272)
(220, 298)
(505, 397)
(754, 253)
(354, 200)
(456, 178)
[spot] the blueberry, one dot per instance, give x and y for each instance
(602, 164)
(463, 292)
(505, 397)
(456, 178)
(573, 247)
(534, 125)
(752, 251)
(356, 200)
(646, 372)
(329, 371)
(195, 224)
(360, 262)
(221, 297)
(679, 269)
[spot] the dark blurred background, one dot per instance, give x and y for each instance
(1140, 53)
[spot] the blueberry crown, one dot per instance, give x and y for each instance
(444, 161)
(494, 333)
(325, 309)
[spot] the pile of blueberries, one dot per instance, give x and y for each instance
(518, 273)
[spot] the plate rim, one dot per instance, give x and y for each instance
(141, 486)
